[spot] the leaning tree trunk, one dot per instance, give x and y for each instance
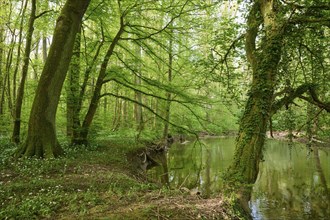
(41, 138)
(81, 138)
(244, 170)
(76, 130)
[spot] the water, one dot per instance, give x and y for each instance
(293, 182)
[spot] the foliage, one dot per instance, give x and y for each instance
(141, 66)
(151, 36)
(88, 183)
(73, 184)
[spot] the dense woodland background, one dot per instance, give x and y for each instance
(149, 69)
(77, 71)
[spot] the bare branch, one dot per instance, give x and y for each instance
(43, 13)
(162, 29)
(224, 58)
(310, 120)
(94, 9)
(317, 101)
(183, 103)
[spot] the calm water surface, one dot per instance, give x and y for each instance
(293, 182)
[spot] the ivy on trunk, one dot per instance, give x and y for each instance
(244, 170)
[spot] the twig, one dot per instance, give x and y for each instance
(184, 181)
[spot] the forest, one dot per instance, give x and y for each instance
(94, 93)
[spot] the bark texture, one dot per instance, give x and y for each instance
(244, 170)
(41, 139)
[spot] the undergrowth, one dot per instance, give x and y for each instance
(91, 182)
(83, 178)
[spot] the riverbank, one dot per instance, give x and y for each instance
(97, 182)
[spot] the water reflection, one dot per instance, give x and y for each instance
(293, 182)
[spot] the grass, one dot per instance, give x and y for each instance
(96, 182)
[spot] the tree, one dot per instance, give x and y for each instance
(41, 139)
(264, 40)
(72, 106)
(168, 94)
(80, 138)
(20, 90)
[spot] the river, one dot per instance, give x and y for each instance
(293, 182)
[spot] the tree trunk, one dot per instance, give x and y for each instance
(138, 115)
(35, 67)
(7, 81)
(244, 169)
(1, 61)
(81, 138)
(41, 138)
(138, 112)
(309, 123)
(44, 48)
(18, 56)
(20, 91)
(73, 87)
(168, 94)
(5, 78)
(7, 63)
(138, 108)
(125, 114)
(75, 138)
(117, 112)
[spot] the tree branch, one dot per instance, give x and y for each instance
(288, 99)
(159, 31)
(297, 6)
(298, 93)
(302, 20)
(224, 59)
(316, 101)
(156, 83)
(253, 23)
(43, 13)
(149, 109)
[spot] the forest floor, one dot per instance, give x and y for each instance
(97, 182)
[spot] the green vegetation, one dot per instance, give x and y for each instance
(73, 72)
(93, 182)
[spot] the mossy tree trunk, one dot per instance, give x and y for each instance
(41, 138)
(264, 60)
